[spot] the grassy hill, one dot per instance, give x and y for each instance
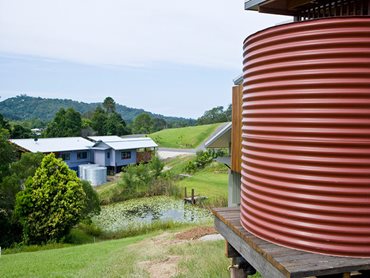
(25, 108)
(183, 138)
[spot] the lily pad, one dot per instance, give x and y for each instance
(144, 211)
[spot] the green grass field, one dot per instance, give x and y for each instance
(183, 138)
(210, 182)
(141, 256)
(89, 260)
(177, 164)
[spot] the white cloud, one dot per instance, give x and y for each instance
(130, 32)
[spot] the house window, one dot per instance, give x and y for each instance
(125, 155)
(108, 155)
(81, 155)
(65, 156)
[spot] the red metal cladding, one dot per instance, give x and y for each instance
(306, 136)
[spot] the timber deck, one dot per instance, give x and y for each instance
(274, 261)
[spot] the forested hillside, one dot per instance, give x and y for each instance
(25, 107)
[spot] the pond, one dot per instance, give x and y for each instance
(146, 210)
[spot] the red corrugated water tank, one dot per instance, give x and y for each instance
(306, 136)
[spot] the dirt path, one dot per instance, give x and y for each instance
(158, 260)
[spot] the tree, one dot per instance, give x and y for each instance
(156, 166)
(215, 115)
(145, 180)
(17, 131)
(98, 120)
(229, 112)
(65, 123)
(115, 125)
(20, 171)
(86, 129)
(105, 123)
(203, 158)
(26, 166)
(20, 132)
(4, 124)
(52, 202)
(142, 124)
(7, 153)
(109, 104)
(158, 124)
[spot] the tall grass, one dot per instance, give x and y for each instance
(19, 248)
(118, 193)
(143, 180)
(145, 228)
(203, 259)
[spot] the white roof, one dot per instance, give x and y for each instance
(221, 139)
(112, 138)
(46, 145)
(131, 143)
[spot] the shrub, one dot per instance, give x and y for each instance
(163, 186)
(20, 247)
(156, 166)
(92, 202)
(78, 236)
(202, 159)
(90, 229)
(19, 172)
(112, 195)
(51, 203)
(144, 180)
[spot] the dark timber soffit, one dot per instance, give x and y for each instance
(310, 9)
(282, 7)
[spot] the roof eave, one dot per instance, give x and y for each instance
(252, 5)
(212, 140)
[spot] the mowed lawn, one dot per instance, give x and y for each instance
(151, 255)
(183, 138)
(89, 260)
(211, 182)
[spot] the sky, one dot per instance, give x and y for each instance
(176, 58)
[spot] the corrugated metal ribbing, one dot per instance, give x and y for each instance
(306, 136)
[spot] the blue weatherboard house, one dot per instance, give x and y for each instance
(112, 152)
(115, 152)
(73, 150)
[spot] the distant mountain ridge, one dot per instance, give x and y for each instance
(24, 107)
